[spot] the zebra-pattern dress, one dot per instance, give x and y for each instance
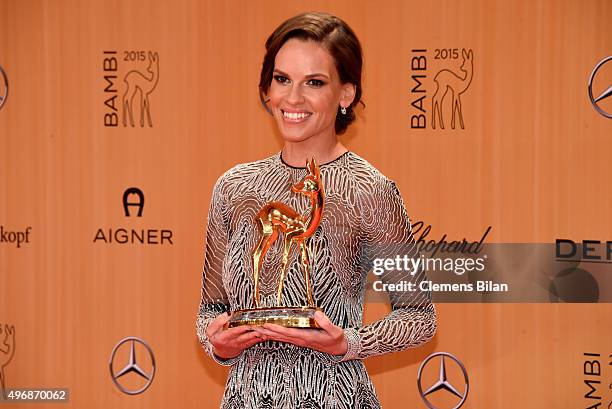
(363, 219)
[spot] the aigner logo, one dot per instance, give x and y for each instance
(7, 350)
(143, 373)
(130, 77)
(452, 73)
(606, 78)
(127, 204)
(442, 383)
(3, 87)
(129, 235)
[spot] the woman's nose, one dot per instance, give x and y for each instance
(295, 95)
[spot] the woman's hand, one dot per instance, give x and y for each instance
(229, 343)
(329, 339)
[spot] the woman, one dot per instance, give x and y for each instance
(310, 82)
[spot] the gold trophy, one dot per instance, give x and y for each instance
(274, 218)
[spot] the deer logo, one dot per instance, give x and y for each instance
(276, 217)
(447, 80)
(143, 85)
(7, 350)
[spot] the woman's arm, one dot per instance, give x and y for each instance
(412, 321)
(213, 300)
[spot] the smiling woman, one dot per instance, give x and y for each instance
(310, 81)
(311, 76)
(306, 93)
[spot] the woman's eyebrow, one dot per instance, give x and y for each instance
(317, 74)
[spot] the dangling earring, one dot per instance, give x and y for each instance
(343, 110)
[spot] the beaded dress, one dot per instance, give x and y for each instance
(363, 219)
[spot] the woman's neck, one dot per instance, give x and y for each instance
(297, 153)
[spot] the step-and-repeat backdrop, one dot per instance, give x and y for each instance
(493, 118)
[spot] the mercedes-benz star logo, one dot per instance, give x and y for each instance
(605, 94)
(3, 87)
(442, 383)
(132, 366)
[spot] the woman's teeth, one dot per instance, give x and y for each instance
(295, 115)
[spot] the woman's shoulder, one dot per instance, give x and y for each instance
(364, 173)
(241, 172)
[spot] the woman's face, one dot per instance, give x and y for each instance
(306, 91)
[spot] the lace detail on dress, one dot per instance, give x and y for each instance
(363, 219)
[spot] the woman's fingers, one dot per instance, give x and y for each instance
(217, 324)
(288, 332)
(226, 335)
(276, 336)
(247, 336)
(326, 339)
(235, 340)
(252, 342)
(324, 322)
(302, 337)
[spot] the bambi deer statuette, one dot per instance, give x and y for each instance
(276, 217)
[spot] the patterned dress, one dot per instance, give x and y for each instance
(363, 219)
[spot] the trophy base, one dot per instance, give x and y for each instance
(294, 317)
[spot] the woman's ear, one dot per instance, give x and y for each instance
(348, 94)
(264, 99)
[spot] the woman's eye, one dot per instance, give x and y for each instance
(315, 83)
(281, 80)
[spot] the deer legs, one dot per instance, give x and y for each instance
(145, 108)
(268, 238)
(306, 266)
(457, 109)
(305, 263)
(281, 281)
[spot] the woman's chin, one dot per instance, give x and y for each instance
(294, 138)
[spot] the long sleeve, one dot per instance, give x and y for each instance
(387, 234)
(213, 299)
